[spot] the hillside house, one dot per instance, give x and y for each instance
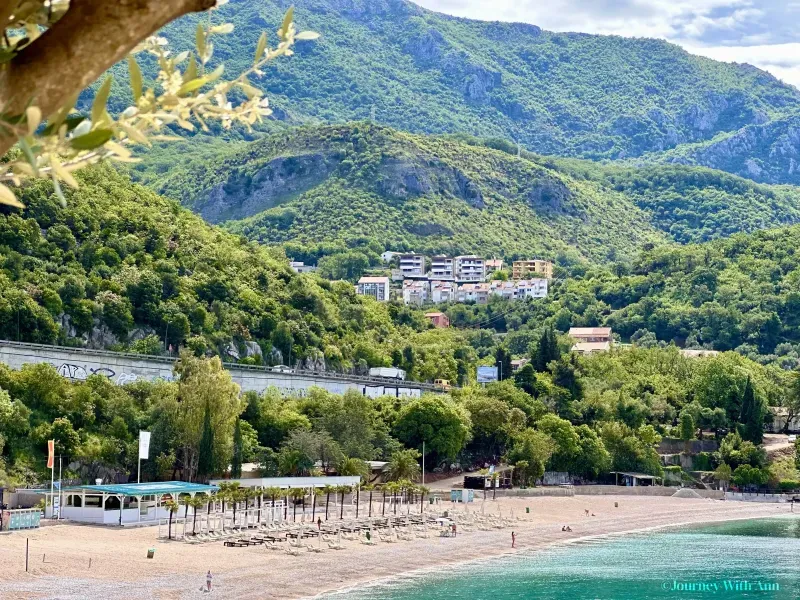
(377, 287)
(438, 319)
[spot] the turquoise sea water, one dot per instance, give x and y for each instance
(739, 559)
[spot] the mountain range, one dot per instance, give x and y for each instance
(455, 194)
(568, 94)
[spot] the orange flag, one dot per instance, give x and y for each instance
(51, 453)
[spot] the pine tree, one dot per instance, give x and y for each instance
(236, 462)
(546, 350)
(502, 360)
(205, 460)
(752, 419)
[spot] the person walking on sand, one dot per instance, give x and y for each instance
(209, 577)
(319, 523)
(513, 540)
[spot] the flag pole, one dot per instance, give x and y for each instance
(60, 497)
(52, 493)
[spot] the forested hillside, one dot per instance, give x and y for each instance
(741, 293)
(556, 93)
(353, 183)
(120, 267)
(766, 152)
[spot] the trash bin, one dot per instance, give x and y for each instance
(527, 509)
(430, 500)
(151, 552)
(616, 504)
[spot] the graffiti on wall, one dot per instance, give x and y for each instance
(81, 373)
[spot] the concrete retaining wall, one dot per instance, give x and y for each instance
(121, 368)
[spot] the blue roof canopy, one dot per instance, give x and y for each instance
(144, 489)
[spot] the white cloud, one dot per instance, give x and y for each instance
(782, 60)
(646, 18)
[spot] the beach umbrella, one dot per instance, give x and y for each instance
(319, 540)
(339, 536)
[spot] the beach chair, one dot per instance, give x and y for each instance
(292, 551)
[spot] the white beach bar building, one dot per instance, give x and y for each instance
(124, 504)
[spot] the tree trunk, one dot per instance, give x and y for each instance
(341, 514)
(90, 37)
(169, 532)
(358, 500)
(370, 503)
(327, 503)
(313, 506)
(383, 506)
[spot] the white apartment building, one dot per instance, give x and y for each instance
(473, 292)
(415, 291)
(442, 268)
(443, 291)
(412, 265)
(299, 267)
(389, 255)
(504, 289)
(377, 287)
(532, 288)
(470, 268)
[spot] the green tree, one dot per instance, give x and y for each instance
(687, 430)
(204, 386)
(547, 350)
(236, 462)
(566, 443)
(442, 424)
(535, 449)
(502, 360)
(752, 416)
(205, 459)
(404, 464)
(723, 474)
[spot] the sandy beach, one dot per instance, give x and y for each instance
(68, 561)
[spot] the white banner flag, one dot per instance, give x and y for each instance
(144, 444)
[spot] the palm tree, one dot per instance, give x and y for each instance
(343, 489)
(328, 490)
(197, 502)
(393, 488)
(235, 495)
(297, 494)
(186, 501)
(383, 506)
(404, 465)
(495, 478)
(273, 493)
(370, 487)
(314, 493)
(172, 507)
(422, 491)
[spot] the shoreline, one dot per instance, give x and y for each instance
(119, 569)
(421, 572)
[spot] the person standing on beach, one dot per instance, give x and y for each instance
(209, 577)
(513, 540)
(319, 523)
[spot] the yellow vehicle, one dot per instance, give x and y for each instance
(443, 384)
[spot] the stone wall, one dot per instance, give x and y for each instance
(121, 368)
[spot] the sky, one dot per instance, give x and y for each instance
(764, 33)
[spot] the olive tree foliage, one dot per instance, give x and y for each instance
(53, 49)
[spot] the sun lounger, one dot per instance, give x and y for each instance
(234, 544)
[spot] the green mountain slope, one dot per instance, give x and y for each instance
(457, 194)
(556, 93)
(432, 194)
(120, 267)
(766, 152)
